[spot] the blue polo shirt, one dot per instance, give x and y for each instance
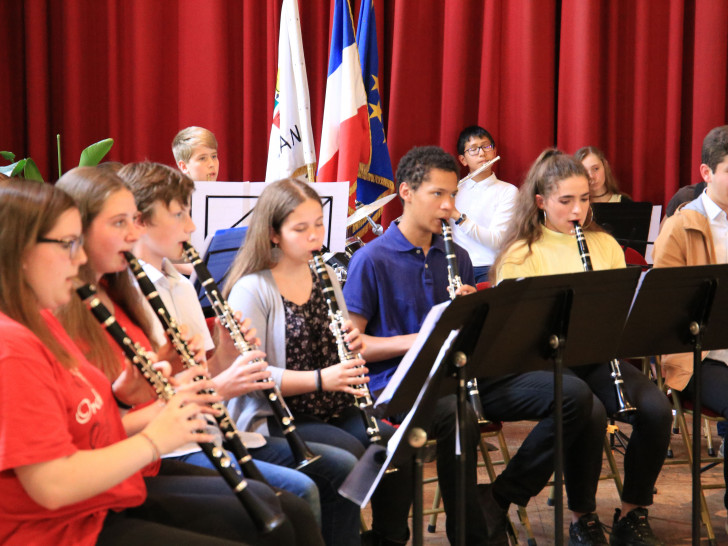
(393, 285)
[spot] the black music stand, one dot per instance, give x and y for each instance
(626, 221)
(518, 326)
(694, 319)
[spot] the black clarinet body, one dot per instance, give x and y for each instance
(362, 398)
(624, 405)
(301, 452)
(265, 518)
(454, 282)
(230, 433)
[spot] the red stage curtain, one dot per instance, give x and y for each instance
(642, 80)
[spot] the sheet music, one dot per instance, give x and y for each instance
(404, 365)
(654, 231)
(397, 437)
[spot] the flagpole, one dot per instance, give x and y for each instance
(311, 169)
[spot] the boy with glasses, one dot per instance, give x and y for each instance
(483, 205)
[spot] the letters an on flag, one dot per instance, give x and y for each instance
(291, 146)
(345, 134)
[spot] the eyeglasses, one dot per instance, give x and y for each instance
(72, 244)
(476, 149)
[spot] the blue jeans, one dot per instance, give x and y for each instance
(481, 273)
(339, 516)
(278, 476)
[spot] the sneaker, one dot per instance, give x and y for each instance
(496, 518)
(633, 530)
(588, 530)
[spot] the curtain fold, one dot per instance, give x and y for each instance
(643, 80)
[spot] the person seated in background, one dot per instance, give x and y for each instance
(483, 204)
(603, 187)
(195, 153)
(684, 195)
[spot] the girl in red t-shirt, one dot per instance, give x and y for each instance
(65, 460)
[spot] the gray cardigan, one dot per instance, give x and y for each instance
(257, 296)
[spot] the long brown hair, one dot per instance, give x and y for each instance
(543, 178)
(28, 210)
(275, 203)
(92, 187)
(610, 181)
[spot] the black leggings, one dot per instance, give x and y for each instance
(203, 510)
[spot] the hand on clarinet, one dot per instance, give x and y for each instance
(179, 422)
(225, 350)
(131, 388)
(243, 376)
(353, 338)
(465, 289)
(194, 343)
(343, 376)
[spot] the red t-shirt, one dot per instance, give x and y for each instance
(48, 412)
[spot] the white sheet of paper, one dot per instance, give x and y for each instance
(222, 205)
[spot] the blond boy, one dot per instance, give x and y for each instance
(195, 153)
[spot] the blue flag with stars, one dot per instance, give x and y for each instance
(375, 179)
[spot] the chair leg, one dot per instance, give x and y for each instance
(614, 469)
(685, 435)
(432, 525)
(708, 437)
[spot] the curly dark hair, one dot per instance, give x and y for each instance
(415, 165)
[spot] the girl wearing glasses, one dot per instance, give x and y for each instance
(68, 472)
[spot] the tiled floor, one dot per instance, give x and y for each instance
(669, 516)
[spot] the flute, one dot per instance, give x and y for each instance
(362, 398)
(301, 452)
(230, 433)
(622, 402)
(265, 518)
(479, 170)
(454, 282)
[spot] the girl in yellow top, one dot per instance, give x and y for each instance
(541, 241)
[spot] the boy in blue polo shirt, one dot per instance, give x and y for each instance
(392, 284)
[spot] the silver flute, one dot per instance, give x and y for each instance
(622, 402)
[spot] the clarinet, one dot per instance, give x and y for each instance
(362, 398)
(622, 402)
(265, 518)
(301, 452)
(454, 282)
(230, 433)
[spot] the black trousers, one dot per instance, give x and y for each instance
(195, 506)
(714, 386)
(588, 390)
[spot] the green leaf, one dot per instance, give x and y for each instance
(8, 155)
(93, 155)
(31, 171)
(13, 169)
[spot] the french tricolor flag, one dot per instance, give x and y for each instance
(345, 135)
